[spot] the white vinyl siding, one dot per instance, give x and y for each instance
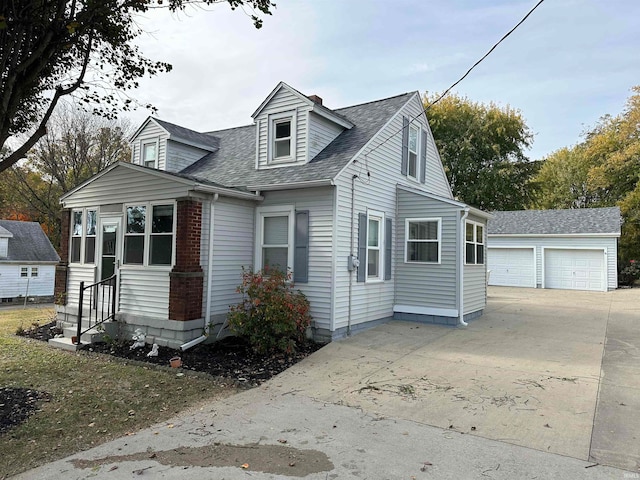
(144, 291)
(13, 284)
(608, 243)
(283, 103)
(77, 274)
(321, 133)
(319, 203)
(151, 133)
(232, 250)
(180, 156)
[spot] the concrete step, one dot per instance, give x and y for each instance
(65, 344)
(90, 336)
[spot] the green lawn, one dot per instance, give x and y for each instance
(93, 398)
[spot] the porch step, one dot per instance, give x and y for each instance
(65, 344)
(90, 336)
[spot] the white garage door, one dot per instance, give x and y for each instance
(511, 267)
(574, 269)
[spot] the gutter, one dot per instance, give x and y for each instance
(292, 185)
(227, 192)
(461, 321)
(207, 314)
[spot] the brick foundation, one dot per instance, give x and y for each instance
(62, 269)
(186, 278)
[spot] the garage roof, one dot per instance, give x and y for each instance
(556, 222)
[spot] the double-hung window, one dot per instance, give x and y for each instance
(24, 271)
(422, 240)
(282, 137)
(76, 235)
(474, 243)
(275, 238)
(148, 239)
(412, 166)
(375, 229)
(34, 271)
(83, 235)
(149, 154)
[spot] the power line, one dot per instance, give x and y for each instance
(411, 119)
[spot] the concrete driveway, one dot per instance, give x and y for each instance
(527, 391)
(533, 371)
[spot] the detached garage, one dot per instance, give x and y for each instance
(566, 249)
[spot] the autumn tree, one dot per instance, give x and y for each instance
(49, 49)
(482, 149)
(603, 170)
(77, 145)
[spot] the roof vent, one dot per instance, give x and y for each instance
(315, 99)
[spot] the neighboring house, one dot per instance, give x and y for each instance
(27, 262)
(573, 249)
(354, 201)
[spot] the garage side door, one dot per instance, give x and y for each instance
(574, 269)
(512, 267)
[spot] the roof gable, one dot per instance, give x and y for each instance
(587, 221)
(315, 107)
(28, 243)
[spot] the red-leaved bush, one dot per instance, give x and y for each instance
(272, 316)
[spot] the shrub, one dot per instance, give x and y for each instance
(272, 316)
(630, 273)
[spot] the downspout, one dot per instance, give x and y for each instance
(461, 257)
(207, 314)
(351, 256)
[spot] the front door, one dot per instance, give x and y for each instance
(109, 248)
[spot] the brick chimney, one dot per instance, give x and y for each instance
(315, 99)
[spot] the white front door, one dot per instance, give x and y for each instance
(108, 255)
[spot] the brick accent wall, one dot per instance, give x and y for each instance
(186, 277)
(62, 269)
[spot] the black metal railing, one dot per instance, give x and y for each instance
(102, 303)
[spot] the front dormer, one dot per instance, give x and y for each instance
(169, 147)
(291, 128)
(5, 235)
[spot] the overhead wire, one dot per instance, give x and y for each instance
(424, 109)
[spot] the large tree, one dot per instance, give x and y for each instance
(602, 170)
(77, 145)
(50, 48)
(482, 149)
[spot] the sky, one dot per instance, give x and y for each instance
(571, 62)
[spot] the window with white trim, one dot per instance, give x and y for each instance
(422, 237)
(34, 271)
(282, 137)
(149, 154)
(24, 271)
(83, 236)
(149, 239)
(474, 243)
(375, 247)
(275, 231)
(413, 164)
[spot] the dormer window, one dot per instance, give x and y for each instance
(149, 154)
(282, 137)
(414, 134)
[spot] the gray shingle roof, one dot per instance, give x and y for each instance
(29, 243)
(233, 165)
(556, 222)
(181, 133)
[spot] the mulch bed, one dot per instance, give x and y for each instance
(16, 404)
(231, 358)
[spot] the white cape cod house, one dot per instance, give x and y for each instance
(354, 201)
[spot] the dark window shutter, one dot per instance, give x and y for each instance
(387, 248)
(423, 157)
(362, 247)
(301, 248)
(405, 145)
